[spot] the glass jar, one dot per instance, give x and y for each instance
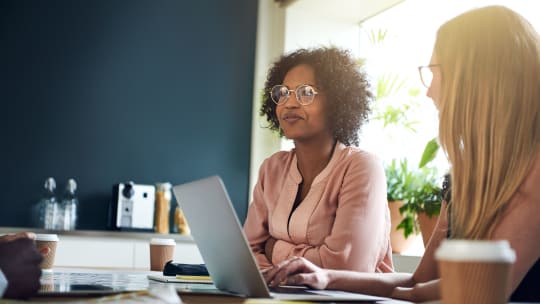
(180, 221)
(162, 207)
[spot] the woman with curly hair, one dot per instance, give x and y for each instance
(324, 200)
(484, 78)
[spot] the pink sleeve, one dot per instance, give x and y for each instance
(256, 225)
(359, 236)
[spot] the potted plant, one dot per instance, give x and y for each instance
(428, 216)
(399, 183)
(422, 204)
(416, 193)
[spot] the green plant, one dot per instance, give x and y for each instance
(399, 180)
(425, 197)
(394, 96)
(430, 151)
(389, 84)
(419, 190)
(377, 36)
(389, 106)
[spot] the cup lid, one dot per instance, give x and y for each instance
(157, 241)
(47, 237)
(473, 250)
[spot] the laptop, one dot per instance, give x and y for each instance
(226, 252)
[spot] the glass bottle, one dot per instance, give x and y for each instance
(46, 209)
(163, 203)
(69, 206)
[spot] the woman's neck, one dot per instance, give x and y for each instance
(312, 157)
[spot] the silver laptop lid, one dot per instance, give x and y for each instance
(219, 236)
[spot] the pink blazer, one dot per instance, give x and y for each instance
(343, 223)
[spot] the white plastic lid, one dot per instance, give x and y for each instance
(467, 250)
(47, 237)
(156, 241)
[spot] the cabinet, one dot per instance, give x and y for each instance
(111, 249)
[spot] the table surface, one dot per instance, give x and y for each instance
(133, 282)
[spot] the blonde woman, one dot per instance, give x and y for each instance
(484, 78)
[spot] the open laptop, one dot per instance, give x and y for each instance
(225, 250)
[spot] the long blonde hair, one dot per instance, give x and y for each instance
(489, 112)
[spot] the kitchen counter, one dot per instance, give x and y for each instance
(101, 233)
(112, 249)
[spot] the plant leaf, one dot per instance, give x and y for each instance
(430, 151)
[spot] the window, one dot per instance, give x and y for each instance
(393, 43)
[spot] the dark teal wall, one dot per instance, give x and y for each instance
(107, 91)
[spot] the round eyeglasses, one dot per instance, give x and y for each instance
(426, 74)
(305, 94)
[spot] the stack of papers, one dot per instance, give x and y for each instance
(181, 279)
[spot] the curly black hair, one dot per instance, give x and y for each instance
(346, 88)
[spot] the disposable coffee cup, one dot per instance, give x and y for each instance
(161, 251)
(474, 271)
(50, 241)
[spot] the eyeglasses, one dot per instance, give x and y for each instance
(305, 94)
(426, 74)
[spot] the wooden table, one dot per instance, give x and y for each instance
(137, 282)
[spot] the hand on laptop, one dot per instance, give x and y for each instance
(297, 271)
(19, 262)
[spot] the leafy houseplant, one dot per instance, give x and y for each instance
(424, 197)
(399, 181)
(419, 190)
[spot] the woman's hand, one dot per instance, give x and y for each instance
(23, 235)
(19, 262)
(297, 271)
(403, 293)
(12, 237)
(420, 292)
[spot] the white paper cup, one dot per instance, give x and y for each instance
(474, 271)
(50, 241)
(161, 251)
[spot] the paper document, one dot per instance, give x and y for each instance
(181, 279)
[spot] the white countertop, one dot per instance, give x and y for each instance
(179, 238)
